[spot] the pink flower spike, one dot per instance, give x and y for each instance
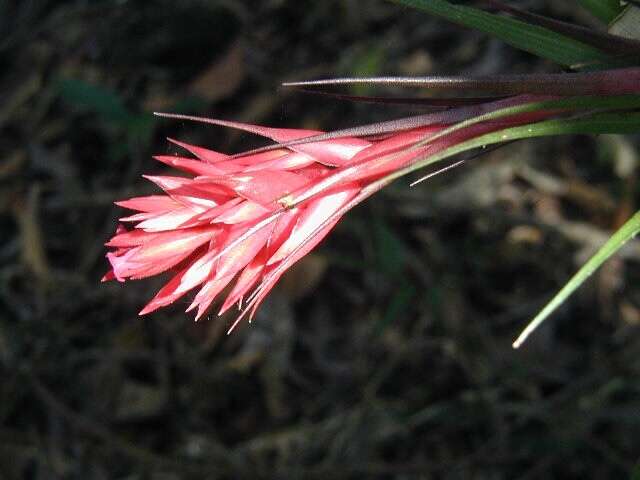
(242, 221)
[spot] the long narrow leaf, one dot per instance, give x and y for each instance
(534, 39)
(614, 81)
(617, 240)
(604, 41)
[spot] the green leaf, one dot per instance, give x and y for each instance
(189, 104)
(534, 39)
(367, 63)
(390, 250)
(617, 240)
(605, 10)
(94, 98)
(140, 129)
(398, 306)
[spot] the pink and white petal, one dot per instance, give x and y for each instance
(378, 166)
(139, 217)
(121, 264)
(334, 153)
(246, 211)
(400, 156)
(194, 167)
(270, 279)
(396, 142)
(130, 238)
(167, 183)
(201, 194)
(150, 203)
(171, 220)
(168, 294)
(282, 229)
(246, 280)
(313, 215)
(207, 295)
(182, 189)
(277, 134)
(244, 252)
(198, 272)
(211, 214)
(108, 276)
(264, 186)
(289, 161)
(175, 242)
(261, 157)
(315, 171)
(150, 269)
(204, 154)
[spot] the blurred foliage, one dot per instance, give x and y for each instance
(386, 354)
(605, 10)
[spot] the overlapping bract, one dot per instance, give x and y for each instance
(241, 221)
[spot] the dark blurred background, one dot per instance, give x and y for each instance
(384, 354)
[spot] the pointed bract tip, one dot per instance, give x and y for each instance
(177, 142)
(235, 323)
(342, 81)
(108, 276)
(303, 83)
(201, 312)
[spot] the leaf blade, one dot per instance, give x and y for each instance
(629, 230)
(530, 38)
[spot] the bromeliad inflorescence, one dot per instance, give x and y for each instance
(245, 219)
(240, 221)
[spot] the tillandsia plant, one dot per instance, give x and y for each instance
(240, 221)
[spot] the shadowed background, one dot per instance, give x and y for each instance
(385, 353)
